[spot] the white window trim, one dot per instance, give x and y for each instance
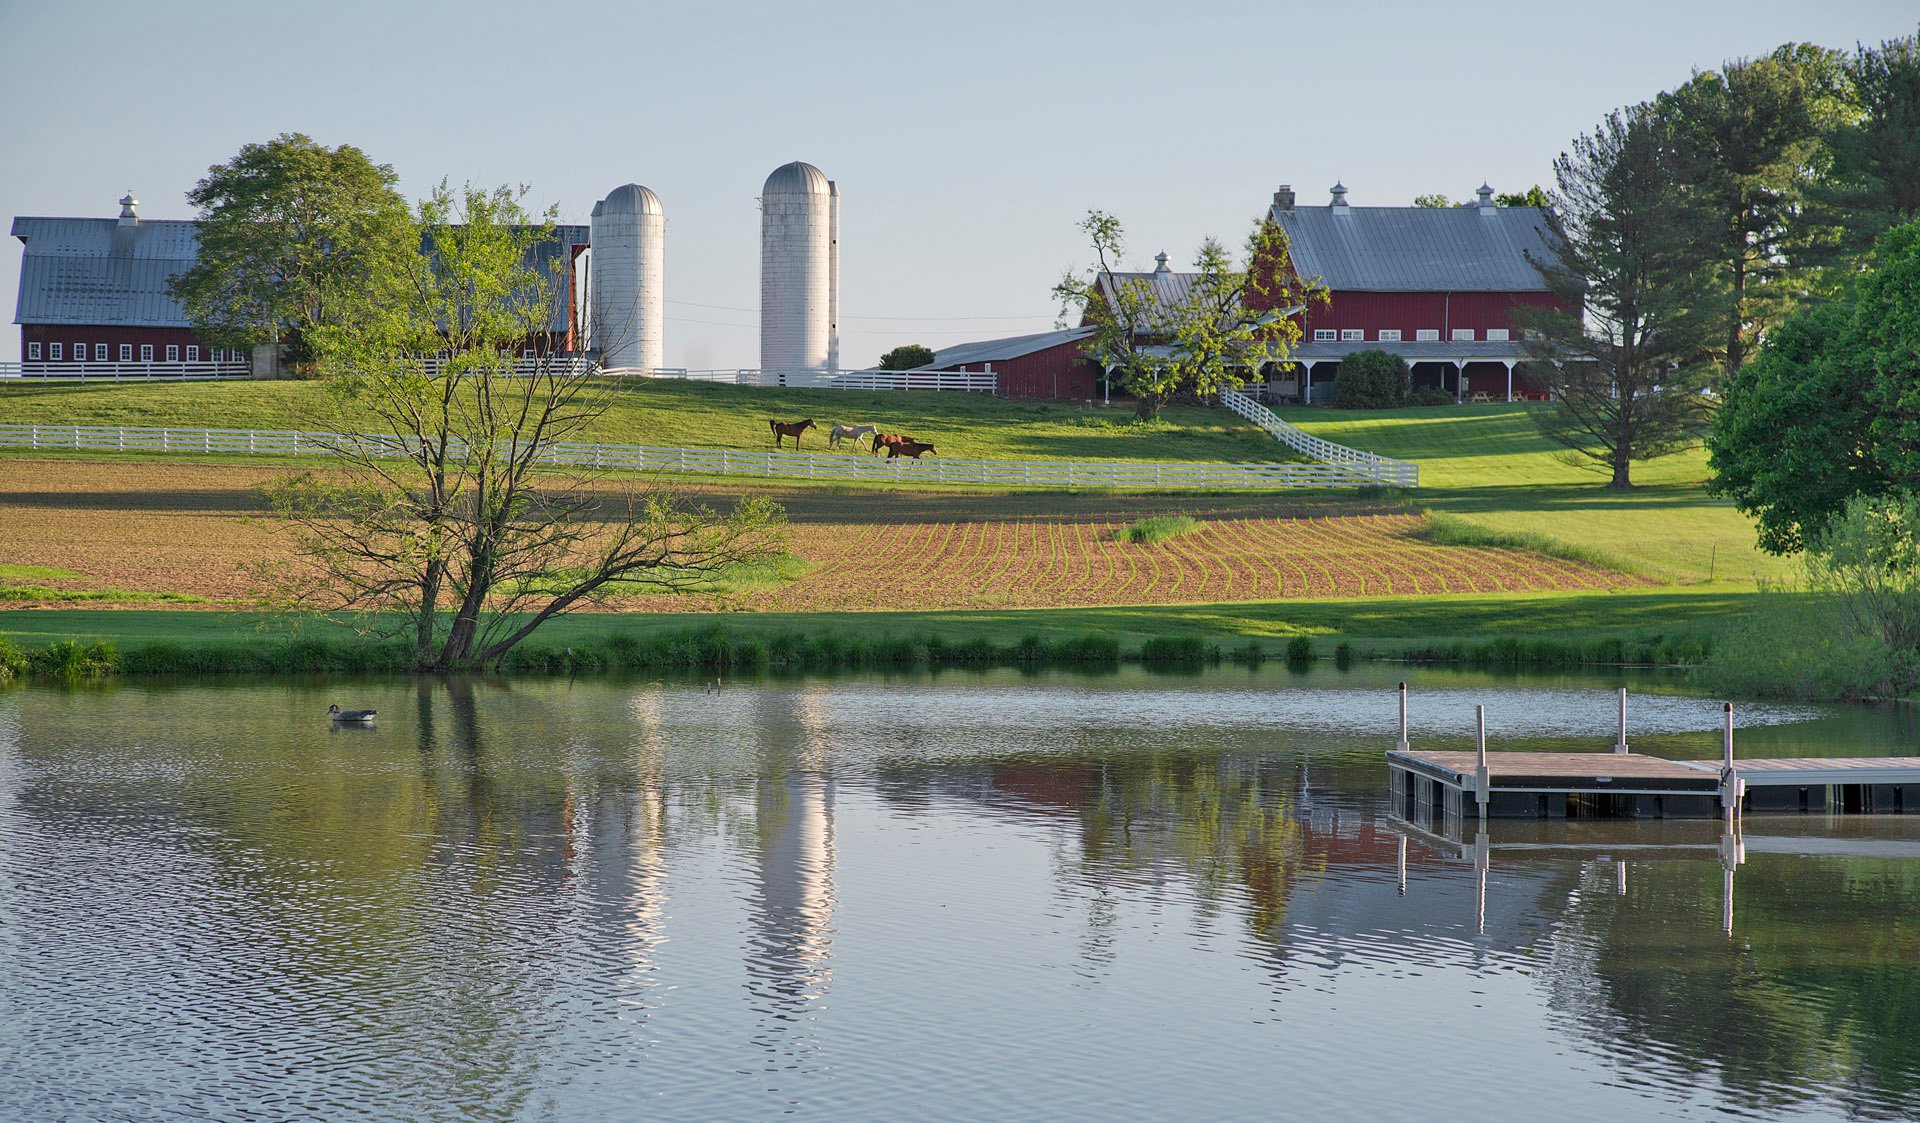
(173, 352)
(1350, 335)
(1463, 335)
(193, 352)
(146, 352)
(1389, 335)
(1497, 335)
(1325, 335)
(126, 352)
(99, 352)
(56, 352)
(33, 351)
(1427, 335)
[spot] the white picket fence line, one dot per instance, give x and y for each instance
(1385, 469)
(44, 370)
(980, 382)
(860, 466)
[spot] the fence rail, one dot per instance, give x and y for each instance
(1382, 469)
(41, 370)
(981, 382)
(1136, 475)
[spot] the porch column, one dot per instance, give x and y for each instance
(1306, 392)
(1509, 363)
(1459, 381)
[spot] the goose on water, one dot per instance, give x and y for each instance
(338, 714)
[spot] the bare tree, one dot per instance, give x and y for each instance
(456, 515)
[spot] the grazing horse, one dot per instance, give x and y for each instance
(849, 433)
(885, 441)
(788, 429)
(911, 448)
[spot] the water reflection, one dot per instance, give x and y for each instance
(852, 898)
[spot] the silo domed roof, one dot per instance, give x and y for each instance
(632, 199)
(797, 178)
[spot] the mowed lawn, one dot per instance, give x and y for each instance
(705, 415)
(1489, 464)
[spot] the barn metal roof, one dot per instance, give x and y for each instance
(97, 271)
(1000, 350)
(1418, 249)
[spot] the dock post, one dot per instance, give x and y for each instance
(1480, 785)
(1482, 862)
(1729, 783)
(1403, 746)
(1403, 865)
(1620, 878)
(1620, 745)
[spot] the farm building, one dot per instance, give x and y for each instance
(1443, 287)
(1044, 365)
(94, 291)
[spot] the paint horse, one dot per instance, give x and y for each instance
(850, 433)
(789, 429)
(910, 447)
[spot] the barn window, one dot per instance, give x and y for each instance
(1352, 333)
(53, 352)
(1427, 334)
(1325, 335)
(126, 352)
(99, 352)
(1389, 335)
(33, 350)
(1463, 335)
(1496, 335)
(193, 352)
(146, 352)
(173, 352)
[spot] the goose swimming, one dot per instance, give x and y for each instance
(338, 714)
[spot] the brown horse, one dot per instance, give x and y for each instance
(789, 429)
(910, 448)
(884, 441)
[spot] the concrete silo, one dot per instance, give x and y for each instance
(799, 273)
(628, 294)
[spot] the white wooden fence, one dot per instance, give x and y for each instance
(1382, 469)
(982, 382)
(40, 370)
(858, 466)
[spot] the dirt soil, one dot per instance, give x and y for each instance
(196, 528)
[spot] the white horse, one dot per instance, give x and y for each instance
(849, 433)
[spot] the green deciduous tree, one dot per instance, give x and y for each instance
(1625, 379)
(290, 231)
(906, 357)
(1432, 201)
(1830, 408)
(1531, 197)
(463, 522)
(1214, 330)
(1373, 380)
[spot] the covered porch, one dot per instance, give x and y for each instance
(1480, 371)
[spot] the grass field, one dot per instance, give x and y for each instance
(708, 415)
(1490, 465)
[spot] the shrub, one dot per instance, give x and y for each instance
(1429, 396)
(1177, 649)
(1299, 650)
(1373, 380)
(1343, 656)
(13, 661)
(1157, 528)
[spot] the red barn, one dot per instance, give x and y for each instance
(1442, 287)
(1045, 365)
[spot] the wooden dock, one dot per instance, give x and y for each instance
(1535, 785)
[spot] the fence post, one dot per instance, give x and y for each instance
(36, 436)
(1620, 746)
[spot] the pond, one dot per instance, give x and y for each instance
(987, 895)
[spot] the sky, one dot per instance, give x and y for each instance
(967, 139)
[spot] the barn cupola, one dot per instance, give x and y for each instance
(1339, 205)
(1283, 198)
(1486, 200)
(1160, 264)
(129, 210)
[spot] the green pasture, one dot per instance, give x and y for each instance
(1488, 464)
(704, 415)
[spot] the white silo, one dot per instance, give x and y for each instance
(627, 287)
(799, 273)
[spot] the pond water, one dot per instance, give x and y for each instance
(964, 895)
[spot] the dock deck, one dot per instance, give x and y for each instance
(1527, 785)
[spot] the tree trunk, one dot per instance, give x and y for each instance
(1622, 467)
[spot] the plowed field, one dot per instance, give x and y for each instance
(167, 527)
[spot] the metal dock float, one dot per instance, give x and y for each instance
(1626, 784)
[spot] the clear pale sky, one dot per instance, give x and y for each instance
(967, 139)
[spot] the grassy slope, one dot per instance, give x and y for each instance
(1489, 464)
(964, 426)
(1383, 623)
